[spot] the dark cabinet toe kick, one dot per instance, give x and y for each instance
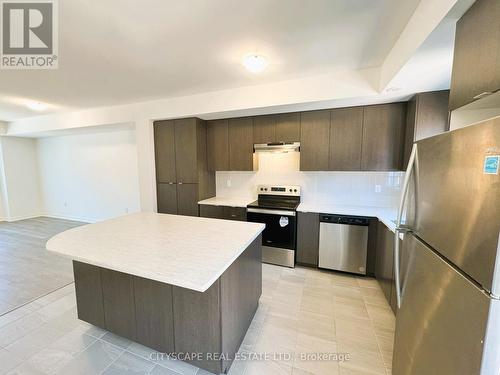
(207, 328)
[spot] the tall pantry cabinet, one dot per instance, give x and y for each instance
(182, 175)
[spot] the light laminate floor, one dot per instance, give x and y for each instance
(302, 311)
(27, 270)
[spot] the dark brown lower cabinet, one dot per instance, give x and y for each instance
(211, 211)
(187, 199)
(307, 238)
(223, 212)
(167, 198)
(235, 213)
(178, 199)
(394, 300)
(384, 264)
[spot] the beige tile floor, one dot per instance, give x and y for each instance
(302, 312)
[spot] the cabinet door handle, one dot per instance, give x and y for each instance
(180, 183)
(171, 183)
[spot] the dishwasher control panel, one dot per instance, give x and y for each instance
(343, 219)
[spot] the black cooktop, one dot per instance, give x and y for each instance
(276, 203)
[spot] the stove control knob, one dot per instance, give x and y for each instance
(294, 190)
(290, 190)
(261, 189)
(265, 189)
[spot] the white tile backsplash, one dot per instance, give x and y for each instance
(350, 188)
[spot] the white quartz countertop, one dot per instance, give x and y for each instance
(189, 252)
(229, 201)
(384, 214)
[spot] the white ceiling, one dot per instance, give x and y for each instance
(431, 64)
(123, 51)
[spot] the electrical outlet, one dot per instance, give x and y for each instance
(126, 210)
(378, 188)
(228, 183)
(65, 204)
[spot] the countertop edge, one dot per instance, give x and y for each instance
(230, 202)
(196, 288)
(375, 214)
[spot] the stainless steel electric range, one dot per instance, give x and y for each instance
(276, 207)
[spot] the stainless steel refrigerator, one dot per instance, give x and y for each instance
(448, 266)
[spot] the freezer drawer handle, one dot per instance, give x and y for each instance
(399, 228)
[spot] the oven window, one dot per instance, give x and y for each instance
(280, 230)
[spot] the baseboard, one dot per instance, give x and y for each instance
(72, 218)
(54, 216)
(22, 217)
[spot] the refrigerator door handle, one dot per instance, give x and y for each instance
(399, 228)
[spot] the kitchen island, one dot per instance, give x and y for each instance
(177, 284)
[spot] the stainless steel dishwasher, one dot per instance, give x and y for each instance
(343, 243)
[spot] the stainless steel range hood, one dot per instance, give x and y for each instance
(277, 147)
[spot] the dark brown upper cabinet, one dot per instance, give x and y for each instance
(186, 157)
(284, 127)
(182, 172)
(476, 60)
(264, 129)
(427, 115)
(315, 140)
(164, 139)
(383, 131)
(344, 139)
(241, 156)
(180, 148)
(218, 145)
(346, 133)
(288, 127)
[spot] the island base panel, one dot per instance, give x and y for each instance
(197, 324)
(241, 287)
(88, 289)
(119, 304)
(172, 319)
(154, 314)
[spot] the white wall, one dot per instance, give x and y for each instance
(3, 193)
(20, 189)
(343, 89)
(2, 210)
(350, 188)
(91, 176)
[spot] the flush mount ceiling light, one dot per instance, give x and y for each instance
(255, 63)
(36, 106)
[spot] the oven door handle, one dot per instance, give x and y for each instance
(271, 212)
